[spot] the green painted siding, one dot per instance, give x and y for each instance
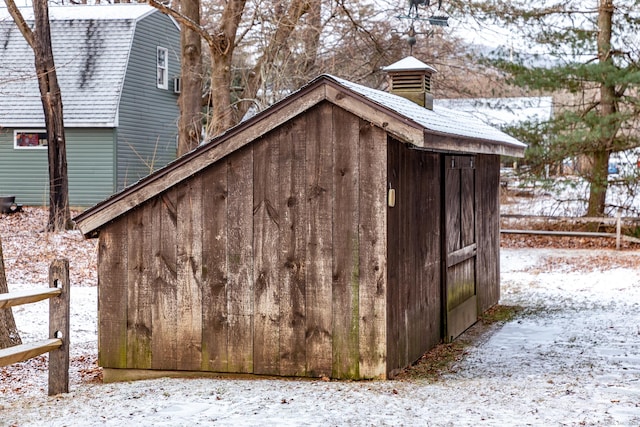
(24, 173)
(148, 116)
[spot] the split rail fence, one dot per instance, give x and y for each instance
(618, 221)
(58, 343)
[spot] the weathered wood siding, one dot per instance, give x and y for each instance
(460, 247)
(414, 255)
(270, 261)
(488, 230)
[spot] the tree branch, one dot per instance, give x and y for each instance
(193, 26)
(20, 22)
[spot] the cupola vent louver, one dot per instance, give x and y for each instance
(411, 82)
(411, 79)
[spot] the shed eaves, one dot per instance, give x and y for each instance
(440, 120)
(91, 46)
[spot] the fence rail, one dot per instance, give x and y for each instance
(617, 221)
(58, 343)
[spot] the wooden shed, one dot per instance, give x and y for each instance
(342, 232)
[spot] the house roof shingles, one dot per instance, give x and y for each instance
(91, 47)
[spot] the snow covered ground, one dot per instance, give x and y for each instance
(572, 357)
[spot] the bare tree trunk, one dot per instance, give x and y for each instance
(598, 178)
(312, 37)
(287, 24)
(59, 215)
(8, 332)
(221, 44)
(40, 41)
(221, 48)
(190, 122)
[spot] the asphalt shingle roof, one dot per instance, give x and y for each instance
(91, 47)
(440, 120)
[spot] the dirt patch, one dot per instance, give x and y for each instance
(29, 249)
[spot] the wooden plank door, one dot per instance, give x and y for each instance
(459, 245)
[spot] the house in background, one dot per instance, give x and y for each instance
(116, 67)
(342, 232)
(502, 112)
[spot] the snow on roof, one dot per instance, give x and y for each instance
(439, 120)
(91, 47)
(409, 63)
(102, 12)
(503, 111)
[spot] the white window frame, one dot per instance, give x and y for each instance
(16, 146)
(162, 67)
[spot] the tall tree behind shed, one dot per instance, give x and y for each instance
(190, 122)
(8, 332)
(222, 36)
(588, 54)
(40, 41)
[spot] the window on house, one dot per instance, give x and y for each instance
(29, 139)
(163, 68)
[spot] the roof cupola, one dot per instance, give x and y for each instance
(411, 79)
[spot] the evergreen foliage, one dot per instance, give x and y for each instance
(587, 55)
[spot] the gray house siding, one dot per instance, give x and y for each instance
(119, 125)
(148, 115)
(90, 168)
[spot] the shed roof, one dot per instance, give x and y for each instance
(409, 63)
(437, 130)
(440, 120)
(91, 46)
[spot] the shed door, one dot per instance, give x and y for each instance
(459, 245)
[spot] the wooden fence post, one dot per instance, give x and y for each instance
(59, 327)
(618, 229)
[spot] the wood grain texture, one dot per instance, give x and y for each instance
(59, 327)
(267, 226)
(112, 295)
(393, 260)
(189, 273)
(240, 260)
(215, 327)
(410, 253)
(467, 207)
(292, 253)
(346, 257)
(414, 255)
(191, 164)
(372, 251)
(488, 230)
(453, 218)
(138, 301)
(460, 230)
(164, 312)
(318, 292)
(402, 129)
(26, 296)
(430, 253)
(22, 352)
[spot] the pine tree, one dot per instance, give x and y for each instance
(588, 55)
